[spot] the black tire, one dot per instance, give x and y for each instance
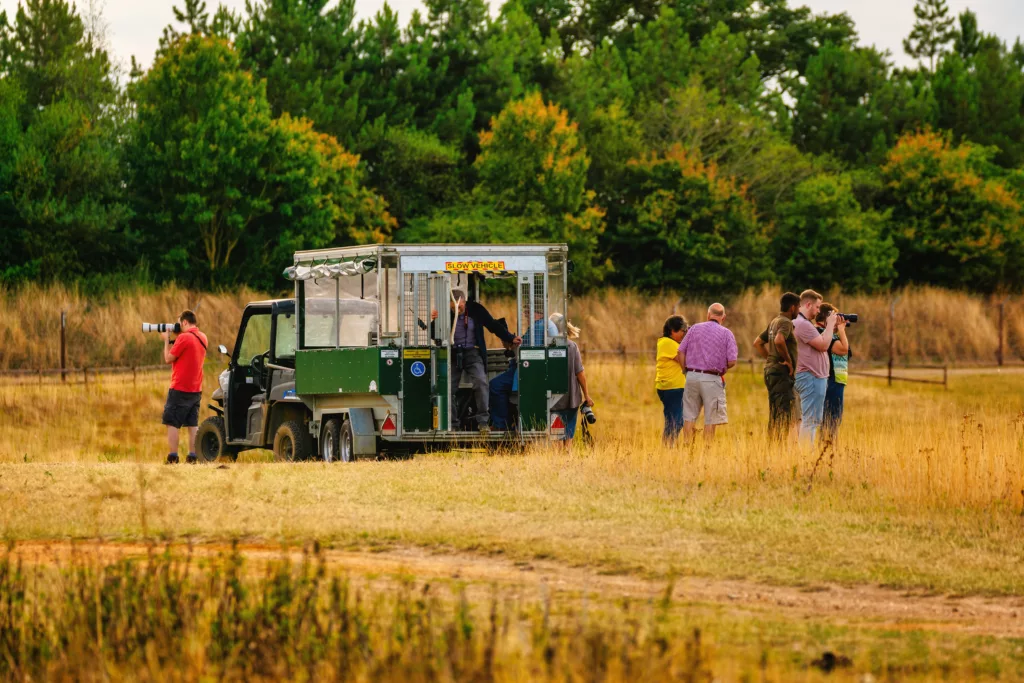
(330, 440)
(346, 443)
(292, 442)
(212, 442)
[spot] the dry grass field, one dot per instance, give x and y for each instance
(899, 547)
(932, 325)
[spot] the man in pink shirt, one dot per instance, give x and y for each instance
(708, 350)
(811, 363)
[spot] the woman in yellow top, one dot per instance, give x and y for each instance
(670, 379)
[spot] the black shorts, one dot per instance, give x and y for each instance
(182, 408)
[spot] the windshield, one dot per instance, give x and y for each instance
(255, 338)
(284, 340)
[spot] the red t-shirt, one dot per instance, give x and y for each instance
(187, 369)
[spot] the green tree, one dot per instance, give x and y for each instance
(212, 168)
(824, 239)
(316, 197)
(739, 143)
(12, 237)
(68, 195)
(414, 171)
(306, 51)
(51, 55)
(933, 31)
(532, 164)
(62, 201)
(202, 134)
(955, 223)
(968, 37)
(682, 226)
(980, 99)
(659, 56)
(533, 156)
(612, 138)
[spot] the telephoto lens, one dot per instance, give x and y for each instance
(162, 327)
(850, 317)
(588, 413)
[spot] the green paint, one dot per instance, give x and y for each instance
(417, 409)
(533, 391)
(558, 371)
(390, 375)
(337, 371)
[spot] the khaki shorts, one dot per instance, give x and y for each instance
(707, 392)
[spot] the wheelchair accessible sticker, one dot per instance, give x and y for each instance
(418, 369)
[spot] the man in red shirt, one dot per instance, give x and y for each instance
(186, 358)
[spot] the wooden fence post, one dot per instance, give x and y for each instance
(1002, 332)
(63, 345)
(892, 337)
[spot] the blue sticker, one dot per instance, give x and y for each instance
(418, 369)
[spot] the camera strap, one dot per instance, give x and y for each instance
(198, 338)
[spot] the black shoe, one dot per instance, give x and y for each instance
(192, 459)
(172, 459)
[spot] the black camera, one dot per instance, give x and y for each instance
(849, 317)
(162, 327)
(588, 413)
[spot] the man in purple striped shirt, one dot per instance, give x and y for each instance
(707, 352)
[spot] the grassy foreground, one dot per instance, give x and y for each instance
(170, 616)
(922, 493)
(923, 489)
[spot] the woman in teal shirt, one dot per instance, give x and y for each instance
(838, 371)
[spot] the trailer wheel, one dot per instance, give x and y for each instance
(346, 443)
(212, 442)
(292, 442)
(329, 439)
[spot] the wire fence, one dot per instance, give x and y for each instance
(77, 376)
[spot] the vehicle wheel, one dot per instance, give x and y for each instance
(330, 439)
(212, 442)
(346, 443)
(292, 442)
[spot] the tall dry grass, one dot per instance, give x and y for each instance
(106, 331)
(932, 325)
(167, 618)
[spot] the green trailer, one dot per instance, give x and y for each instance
(374, 343)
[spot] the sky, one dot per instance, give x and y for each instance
(134, 26)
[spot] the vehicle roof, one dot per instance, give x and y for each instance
(426, 249)
(271, 302)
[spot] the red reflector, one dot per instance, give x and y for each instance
(388, 428)
(557, 426)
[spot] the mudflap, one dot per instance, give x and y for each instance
(364, 431)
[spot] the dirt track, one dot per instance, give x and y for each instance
(864, 606)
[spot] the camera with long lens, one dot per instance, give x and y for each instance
(849, 317)
(162, 327)
(588, 413)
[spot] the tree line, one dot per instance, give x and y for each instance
(673, 144)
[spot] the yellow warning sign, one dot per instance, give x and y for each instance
(417, 354)
(473, 266)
